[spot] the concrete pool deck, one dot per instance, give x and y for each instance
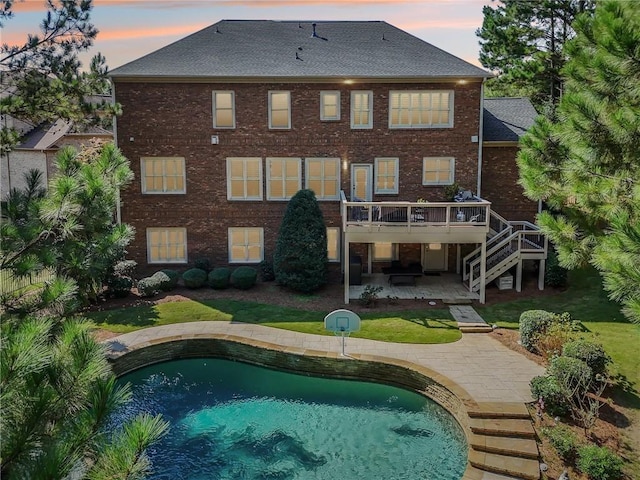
(490, 380)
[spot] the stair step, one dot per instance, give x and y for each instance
(522, 468)
(475, 329)
(513, 447)
(499, 410)
(503, 427)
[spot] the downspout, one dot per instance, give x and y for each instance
(480, 128)
(114, 127)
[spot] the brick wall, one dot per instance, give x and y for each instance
(175, 119)
(500, 184)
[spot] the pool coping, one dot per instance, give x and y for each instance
(456, 400)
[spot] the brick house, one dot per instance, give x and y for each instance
(225, 125)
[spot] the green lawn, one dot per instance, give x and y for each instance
(411, 326)
(587, 302)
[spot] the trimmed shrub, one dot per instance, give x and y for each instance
(590, 353)
(266, 271)
(124, 268)
(547, 388)
(120, 287)
(564, 441)
(244, 277)
(571, 374)
(202, 264)
(164, 281)
(219, 278)
(148, 286)
(194, 278)
(533, 324)
(173, 276)
(554, 275)
(300, 258)
(551, 342)
(599, 463)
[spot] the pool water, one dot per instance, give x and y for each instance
(231, 420)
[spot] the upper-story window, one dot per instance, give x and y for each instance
(330, 105)
(224, 109)
(322, 175)
(284, 178)
(162, 175)
(387, 175)
(361, 109)
(167, 245)
(244, 178)
(438, 170)
(420, 109)
(280, 110)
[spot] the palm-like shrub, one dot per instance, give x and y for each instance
(300, 258)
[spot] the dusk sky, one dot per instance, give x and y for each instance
(130, 29)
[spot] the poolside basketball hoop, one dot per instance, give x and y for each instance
(342, 322)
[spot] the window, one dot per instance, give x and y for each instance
(385, 251)
(280, 110)
(167, 245)
(245, 245)
(330, 105)
(283, 178)
(333, 244)
(322, 175)
(421, 109)
(386, 175)
(162, 174)
(244, 178)
(224, 113)
(361, 109)
(438, 170)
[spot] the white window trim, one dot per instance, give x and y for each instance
(386, 191)
(233, 108)
(322, 115)
(288, 127)
(245, 198)
(452, 171)
(319, 197)
(165, 230)
(338, 243)
(394, 253)
(278, 199)
(431, 92)
(143, 175)
(369, 125)
(230, 244)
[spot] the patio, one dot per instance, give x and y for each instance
(443, 286)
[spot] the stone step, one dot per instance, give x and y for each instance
(475, 328)
(499, 410)
(521, 468)
(513, 447)
(503, 427)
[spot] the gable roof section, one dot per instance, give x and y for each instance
(289, 49)
(507, 119)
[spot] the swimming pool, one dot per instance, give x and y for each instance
(231, 420)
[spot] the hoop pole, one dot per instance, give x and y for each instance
(343, 341)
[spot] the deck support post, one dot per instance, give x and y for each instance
(541, 274)
(483, 271)
(519, 276)
(347, 263)
(458, 259)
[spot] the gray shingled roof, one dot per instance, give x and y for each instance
(507, 119)
(286, 49)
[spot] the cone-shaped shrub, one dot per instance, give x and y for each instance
(300, 258)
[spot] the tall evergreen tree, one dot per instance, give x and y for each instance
(522, 41)
(42, 79)
(300, 259)
(586, 165)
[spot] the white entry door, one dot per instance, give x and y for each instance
(361, 182)
(434, 257)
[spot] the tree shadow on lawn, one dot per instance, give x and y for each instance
(137, 317)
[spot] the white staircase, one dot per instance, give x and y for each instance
(508, 244)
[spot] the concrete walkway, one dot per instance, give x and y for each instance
(487, 370)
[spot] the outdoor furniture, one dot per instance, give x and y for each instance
(400, 275)
(403, 278)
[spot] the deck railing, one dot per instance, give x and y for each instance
(415, 214)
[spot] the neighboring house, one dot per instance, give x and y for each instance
(38, 148)
(224, 126)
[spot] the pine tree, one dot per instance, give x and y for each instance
(585, 165)
(522, 41)
(300, 259)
